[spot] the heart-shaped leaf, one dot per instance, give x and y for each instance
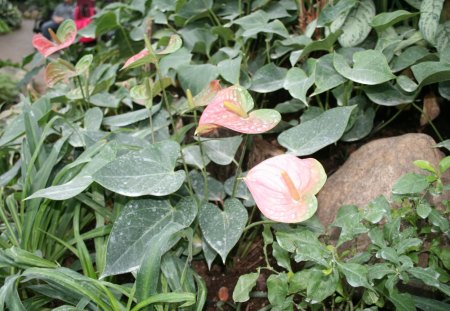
(84, 63)
(57, 71)
(196, 77)
(139, 223)
(147, 171)
(63, 38)
(230, 108)
(387, 19)
(326, 77)
(369, 67)
(221, 150)
(298, 83)
(268, 79)
(193, 156)
(387, 94)
(356, 27)
(222, 229)
(430, 11)
(313, 135)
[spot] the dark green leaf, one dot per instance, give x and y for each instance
(298, 84)
(313, 135)
(222, 229)
(140, 222)
(410, 183)
(326, 77)
(369, 67)
(387, 19)
(355, 274)
(196, 77)
(427, 304)
(268, 79)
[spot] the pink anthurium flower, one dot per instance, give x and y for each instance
(63, 38)
(230, 108)
(135, 58)
(284, 187)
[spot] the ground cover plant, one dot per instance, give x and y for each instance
(137, 161)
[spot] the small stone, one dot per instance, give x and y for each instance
(223, 293)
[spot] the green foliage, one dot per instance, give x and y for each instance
(10, 16)
(370, 270)
(101, 176)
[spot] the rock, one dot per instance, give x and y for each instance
(372, 170)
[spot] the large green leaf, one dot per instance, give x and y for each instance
(409, 57)
(222, 229)
(320, 45)
(147, 171)
(326, 77)
(9, 294)
(356, 27)
(298, 83)
(430, 11)
(193, 156)
(387, 19)
(410, 183)
(387, 94)
(105, 22)
(431, 72)
(320, 286)
(268, 78)
(139, 224)
(369, 67)
(196, 77)
(355, 274)
(221, 150)
(80, 182)
(198, 39)
(332, 11)
(443, 36)
(230, 69)
(313, 135)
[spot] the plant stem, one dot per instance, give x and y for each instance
(239, 167)
(257, 223)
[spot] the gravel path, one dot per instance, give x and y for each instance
(17, 44)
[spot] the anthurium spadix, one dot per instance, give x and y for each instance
(63, 38)
(284, 187)
(231, 108)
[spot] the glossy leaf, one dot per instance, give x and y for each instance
(430, 11)
(57, 71)
(298, 84)
(230, 69)
(197, 77)
(221, 150)
(387, 94)
(65, 36)
(348, 218)
(431, 72)
(139, 224)
(268, 79)
(369, 67)
(356, 27)
(313, 135)
(326, 77)
(409, 57)
(387, 19)
(149, 171)
(222, 229)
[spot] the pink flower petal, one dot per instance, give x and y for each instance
(66, 37)
(258, 121)
(135, 58)
(272, 194)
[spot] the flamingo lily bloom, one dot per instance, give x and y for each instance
(284, 187)
(63, 38)
(230, 108)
